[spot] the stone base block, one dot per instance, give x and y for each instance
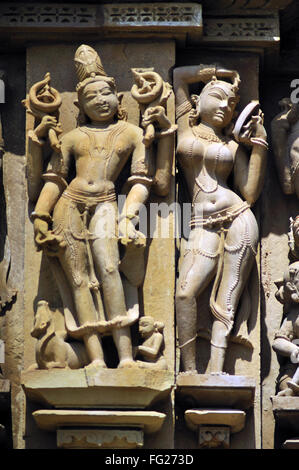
(133, 388)
(215, 391)
(291, 444)
(233, 419)
(286, 412)
(93, 429)
(214, 426)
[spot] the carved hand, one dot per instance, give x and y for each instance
(128, 233)
(254, 129)
(48, 122)
(45, 239)
(156, 114)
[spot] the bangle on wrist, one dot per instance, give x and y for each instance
(259, 141)
(165, 132)
(41, 215)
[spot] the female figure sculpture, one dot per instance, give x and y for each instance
(224, 233)
(81, 237)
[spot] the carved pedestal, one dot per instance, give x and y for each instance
(214, 426)
(87, 404)
(94, 429)
(286, 414)
(219, 404)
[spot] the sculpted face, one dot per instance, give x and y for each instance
(217, 104)
(146, 327)
(99, 102)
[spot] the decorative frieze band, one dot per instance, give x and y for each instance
(47, 15)
(256, 29)
(166, 15)
(126, 18)
(127, 15)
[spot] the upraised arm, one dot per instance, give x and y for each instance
(250, 168)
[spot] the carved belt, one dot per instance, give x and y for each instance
(88, 199)
(219, 218)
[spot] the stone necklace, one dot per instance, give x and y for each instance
(210, 138)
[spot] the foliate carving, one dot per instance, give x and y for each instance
(99, 439)
(33, 15)
(222, 243)
(242, 29)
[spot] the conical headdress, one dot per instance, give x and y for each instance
(88, 63)
(89, 67)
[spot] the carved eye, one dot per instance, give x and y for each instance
(216, 95)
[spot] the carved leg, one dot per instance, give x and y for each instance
(239, 254)
(73, 259)
(106, 257)
(197, 270)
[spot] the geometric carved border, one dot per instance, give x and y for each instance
(254, 29)
(47, 15)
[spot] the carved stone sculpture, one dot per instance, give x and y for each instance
(76, 221)
(151, 349)
(286, 342)
(51, 348)
(285, 141)
(224, 233)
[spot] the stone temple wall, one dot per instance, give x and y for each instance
(167, 378)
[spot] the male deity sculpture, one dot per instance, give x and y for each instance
(76, 221)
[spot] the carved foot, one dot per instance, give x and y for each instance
(32, 367)
(286, 393)
(243, 340)
(127, 363)
(96, 364)
(294, 387)
(219, 373)
(189, 372)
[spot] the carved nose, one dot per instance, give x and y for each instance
(224, 104)
(101, 99)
